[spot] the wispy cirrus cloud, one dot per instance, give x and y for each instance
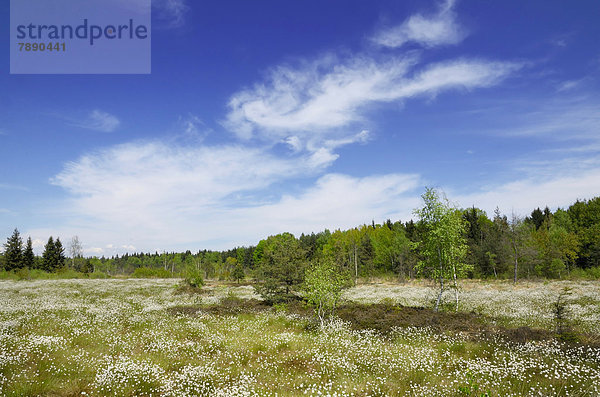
(171, 12)
(567, 119)
(313, 101)
(328, 98)
(97, 120)
(433, 30)
(191, 127)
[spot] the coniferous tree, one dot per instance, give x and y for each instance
(59, 253)
(28, 255)
(13, 251)
(281, 268)
(537, 218)
(48, 257)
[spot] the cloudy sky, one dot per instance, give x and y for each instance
(261, 117)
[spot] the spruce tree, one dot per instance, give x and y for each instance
(48, 257)
(13, 251)
(28, 255)
(59, 253)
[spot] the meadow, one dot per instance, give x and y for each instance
(136, 337)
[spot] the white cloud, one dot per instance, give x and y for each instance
(312, 98)
(428, 31)
(572, 120)
(98, 120)
(152, 195)
(157, 194)
(569, 85)
(524, 195)
(310, 104)
(339, 201)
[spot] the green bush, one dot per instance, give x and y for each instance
(146, 272)
(6, 275)
(585, 274)
(323, 287)
(193, 277)
(97, 274)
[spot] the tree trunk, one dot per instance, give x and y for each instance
(516, 261)
(439, 298)
(355, 265)
(456, 286)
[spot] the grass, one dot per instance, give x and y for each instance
(144, 337)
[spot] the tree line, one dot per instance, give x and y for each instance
(543, 244)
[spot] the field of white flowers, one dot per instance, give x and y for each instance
(118, 338)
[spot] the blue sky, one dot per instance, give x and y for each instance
(270, 116)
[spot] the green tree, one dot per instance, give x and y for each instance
(59, 253)
(585, 219)
(238, 273)
(13, 251)
(49, 256)
(28, 255)
(443, 246)
(53, 257)
(517, 232)
(323, 287)
(391, 248)
(281, 268)
(556, 249)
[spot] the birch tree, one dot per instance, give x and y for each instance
(443, 245)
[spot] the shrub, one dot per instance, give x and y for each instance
(280, 270)
(193, 277)
(323, 286)
(561, 313)
(146, 272)
(97, 274)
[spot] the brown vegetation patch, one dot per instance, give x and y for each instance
(227, 306)
(384, 317)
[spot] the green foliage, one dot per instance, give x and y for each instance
(323, 287)
(146, 272)
(97, 275)
(562, 320)
(585, 220)
(193, 277)
(391, 248)
(53, 257)
(28, 255)
(471, 388)
(238, 273)
(281, 269)
(443, 246)
(13, 251)
(589, 273)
